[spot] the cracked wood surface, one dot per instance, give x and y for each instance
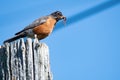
(27, 60)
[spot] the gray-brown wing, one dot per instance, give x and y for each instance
(34, 24)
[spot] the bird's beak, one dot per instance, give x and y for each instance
(64, 19)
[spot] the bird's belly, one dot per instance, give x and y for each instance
(42, 36)
(42, 32)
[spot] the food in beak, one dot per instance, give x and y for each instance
(64, 19)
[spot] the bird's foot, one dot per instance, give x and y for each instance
(35, 36)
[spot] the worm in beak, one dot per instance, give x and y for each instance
(64, 19)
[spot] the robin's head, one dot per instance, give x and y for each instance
(58, 16)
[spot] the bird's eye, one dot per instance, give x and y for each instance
(59, 13)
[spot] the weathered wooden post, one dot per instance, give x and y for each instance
(27, 60)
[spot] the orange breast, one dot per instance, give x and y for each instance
(45, 29)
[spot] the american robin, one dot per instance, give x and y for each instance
(41, 27)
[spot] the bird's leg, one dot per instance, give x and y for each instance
(37, 42)
(35, 36)
(36, 39)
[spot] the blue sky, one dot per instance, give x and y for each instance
(87, 48)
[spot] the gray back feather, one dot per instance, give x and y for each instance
(34, 24)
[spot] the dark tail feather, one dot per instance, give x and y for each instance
(19, 32)
(14, 38)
